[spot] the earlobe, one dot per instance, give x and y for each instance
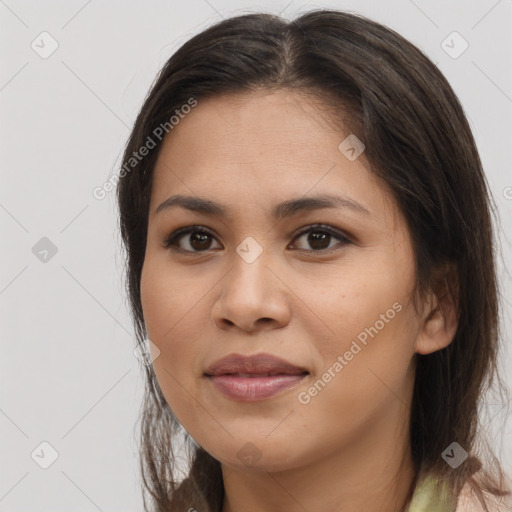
(440, 320)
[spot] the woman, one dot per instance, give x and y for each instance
(310, 257)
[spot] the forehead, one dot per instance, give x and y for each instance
(263, 147)
(259, 124)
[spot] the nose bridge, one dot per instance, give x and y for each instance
(250, 291)
(250, 268)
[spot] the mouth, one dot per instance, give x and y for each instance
(256, 375)
(254, 387)
(257, 364)
(254, 378)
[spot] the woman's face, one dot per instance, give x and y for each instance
(334, 301)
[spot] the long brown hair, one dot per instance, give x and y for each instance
(418, 141)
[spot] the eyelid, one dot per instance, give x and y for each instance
(345, 239)
(178, 233)
(336, 233)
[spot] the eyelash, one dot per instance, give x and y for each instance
(171, 241)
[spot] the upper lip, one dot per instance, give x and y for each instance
(257, 363)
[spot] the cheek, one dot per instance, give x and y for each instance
(372, 326)
(352, 301)
(167, 307)
(173, 321)
(370, 380)
(177, 315)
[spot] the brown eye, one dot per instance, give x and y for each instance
(319, 238)
(198, 240)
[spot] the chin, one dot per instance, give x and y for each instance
(254, 456)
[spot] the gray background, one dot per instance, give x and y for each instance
(68, 373)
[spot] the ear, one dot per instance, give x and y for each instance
(440, 316)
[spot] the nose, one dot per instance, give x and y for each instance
(253, 297)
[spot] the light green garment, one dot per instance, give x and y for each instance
(427, 498)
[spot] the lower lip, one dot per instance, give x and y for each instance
(251, 389)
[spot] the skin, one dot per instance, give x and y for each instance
(348, 448)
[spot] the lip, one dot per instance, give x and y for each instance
(243, 378)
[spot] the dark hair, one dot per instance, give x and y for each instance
(418, 140)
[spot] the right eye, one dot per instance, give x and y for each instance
(197, 240)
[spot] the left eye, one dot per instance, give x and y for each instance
(319, 237)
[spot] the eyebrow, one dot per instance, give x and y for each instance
(280, 211)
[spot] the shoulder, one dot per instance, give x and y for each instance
(470, 500)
